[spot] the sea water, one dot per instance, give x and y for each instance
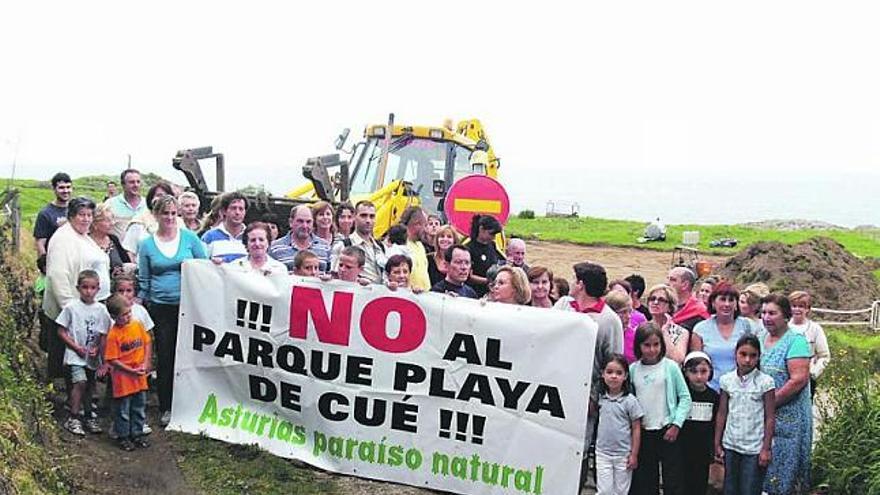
(847, 199)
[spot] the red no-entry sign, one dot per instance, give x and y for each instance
(476, 194)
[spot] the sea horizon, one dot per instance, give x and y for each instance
(847, 199)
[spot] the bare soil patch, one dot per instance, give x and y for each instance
(835, 278)
(101, 468)
(619, 262)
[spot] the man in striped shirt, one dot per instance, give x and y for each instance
(301, 237)
(224, 241)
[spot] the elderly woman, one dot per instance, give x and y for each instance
(511, 286)
(750, 305)
(100, 232)
(160, 257)
(662, 301)
(144, 224)
(718, 335)
(801, 322)
(256, 240)
(540, 283)
(322, 216)
(189, 210)
(444, 237)
(70, 251)
(785, 356)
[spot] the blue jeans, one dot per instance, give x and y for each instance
(130, 414)
(742, 475)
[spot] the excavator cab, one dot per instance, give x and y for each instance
(421, 164)
(394, 167)
(428, 166)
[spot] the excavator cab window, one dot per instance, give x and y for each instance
(419, 161)
(462, 162)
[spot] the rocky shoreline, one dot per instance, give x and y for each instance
(801, 224)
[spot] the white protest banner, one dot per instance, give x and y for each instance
(423, 389)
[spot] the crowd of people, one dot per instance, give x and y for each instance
(685, 373)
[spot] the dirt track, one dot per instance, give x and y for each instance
(618, 262)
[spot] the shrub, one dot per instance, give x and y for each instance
(847, 457)
(27, 464)
(526, 215)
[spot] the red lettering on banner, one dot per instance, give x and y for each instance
(374, 324)
(332, 329)
(335, 328)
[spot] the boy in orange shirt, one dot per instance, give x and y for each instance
(128, 352)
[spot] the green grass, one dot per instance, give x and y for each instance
(220, 468)
(849, 404)
(28, 434)
(859, 340)
(36, 193)
(597, 231)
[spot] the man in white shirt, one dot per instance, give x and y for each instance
(362, 237)
(128, 204)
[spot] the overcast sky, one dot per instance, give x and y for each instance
(567, 90)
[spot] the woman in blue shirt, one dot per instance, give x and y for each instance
(159, 260)
(718, 335)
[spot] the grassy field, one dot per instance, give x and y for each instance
(229, 469)
(585, 230)
(35, 193)
(597, 231)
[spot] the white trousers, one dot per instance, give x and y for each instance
(612, 477)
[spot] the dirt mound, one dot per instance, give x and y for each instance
(835, 278)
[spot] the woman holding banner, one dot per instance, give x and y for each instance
(256, 240)
(160, 257)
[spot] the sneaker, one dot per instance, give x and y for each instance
(92, 426)
(166, 418)
(126, 445)
(112, 433)
(74, 426)
(141, 443)
(147, 430)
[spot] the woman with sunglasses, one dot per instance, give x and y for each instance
(662, 301)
